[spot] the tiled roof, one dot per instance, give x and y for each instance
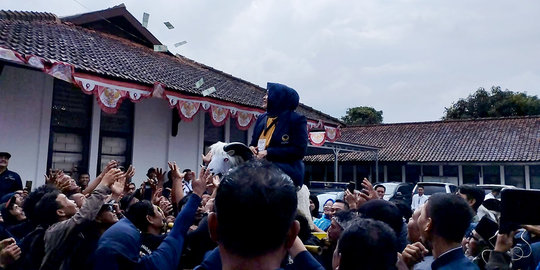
(483, 140)
(109, 56)
(28, 16)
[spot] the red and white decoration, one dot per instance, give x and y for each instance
(110, 94)
(219, 111)
(320, 133)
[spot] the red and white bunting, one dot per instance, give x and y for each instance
(317, 138)
(332, 133)
(12, 56)
(219, 112)
(61, 71)
(109, 93)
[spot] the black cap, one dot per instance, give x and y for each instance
(5, 154)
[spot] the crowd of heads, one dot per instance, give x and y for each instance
(248, 213)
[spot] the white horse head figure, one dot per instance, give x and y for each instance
(228, 155)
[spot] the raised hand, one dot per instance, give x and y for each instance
(176, 174)
(112, 164)
(130, 172)
(111, 176)
(117, 188)
(413, 254)
(207, 158)
(371, 193)
(160, 176)
(213, 183)
(10, 252)
(199, 184)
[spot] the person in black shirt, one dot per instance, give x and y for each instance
(9, 181)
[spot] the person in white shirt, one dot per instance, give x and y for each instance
(418, 199)
(187, 182)
(494, 194)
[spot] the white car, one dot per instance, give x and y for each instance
(431, 188)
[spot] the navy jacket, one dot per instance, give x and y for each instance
(289, 141)
(9, 182)
(454, 259)
(118, 247)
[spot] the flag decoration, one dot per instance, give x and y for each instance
(110, 93)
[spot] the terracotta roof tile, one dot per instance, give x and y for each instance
(483, 140)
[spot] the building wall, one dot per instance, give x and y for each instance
(150, 136)
(25, 99)
(186, 147)
(153, 145)
(519, 174)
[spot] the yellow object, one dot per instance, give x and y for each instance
(268, 131)
(320, 235)
(314, 249)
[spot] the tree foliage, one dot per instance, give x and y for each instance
(497, 103)
(362, 116)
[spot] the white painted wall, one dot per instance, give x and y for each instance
(25, 117)
(150, 136)
(186, 147)
(153, 144)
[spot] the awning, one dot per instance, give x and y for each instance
(337, 147)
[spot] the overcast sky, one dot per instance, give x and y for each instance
(408, 58)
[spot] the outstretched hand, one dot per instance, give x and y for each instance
(119, 185)
(199, 184)
(111, 176)
(175, 171)
(370, 194)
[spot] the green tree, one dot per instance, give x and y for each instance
(362, 116)
(496, 103)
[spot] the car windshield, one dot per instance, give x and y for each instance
(390, 188)
(432, 189)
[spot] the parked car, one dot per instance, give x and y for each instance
(431, 188)
(327, 190)
(397, 191)
(488, 187)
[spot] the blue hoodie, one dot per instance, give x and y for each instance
(118, 248)
(289, 141)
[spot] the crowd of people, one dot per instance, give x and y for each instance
(254, 216)
(248, 219)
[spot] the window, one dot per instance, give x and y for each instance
(237, 135)
(450, 170)
(515, 175)
(212, 134)
(412, 173)
(492, 174)
(471, 174)
(393, 173)
(430, 170)
(317, 172)
(347, 172)
(535, 176)
(362, 171)
(115, 137)
(374, 173)
(71, 122)
(330, 172)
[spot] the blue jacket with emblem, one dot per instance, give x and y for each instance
(289, 141)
